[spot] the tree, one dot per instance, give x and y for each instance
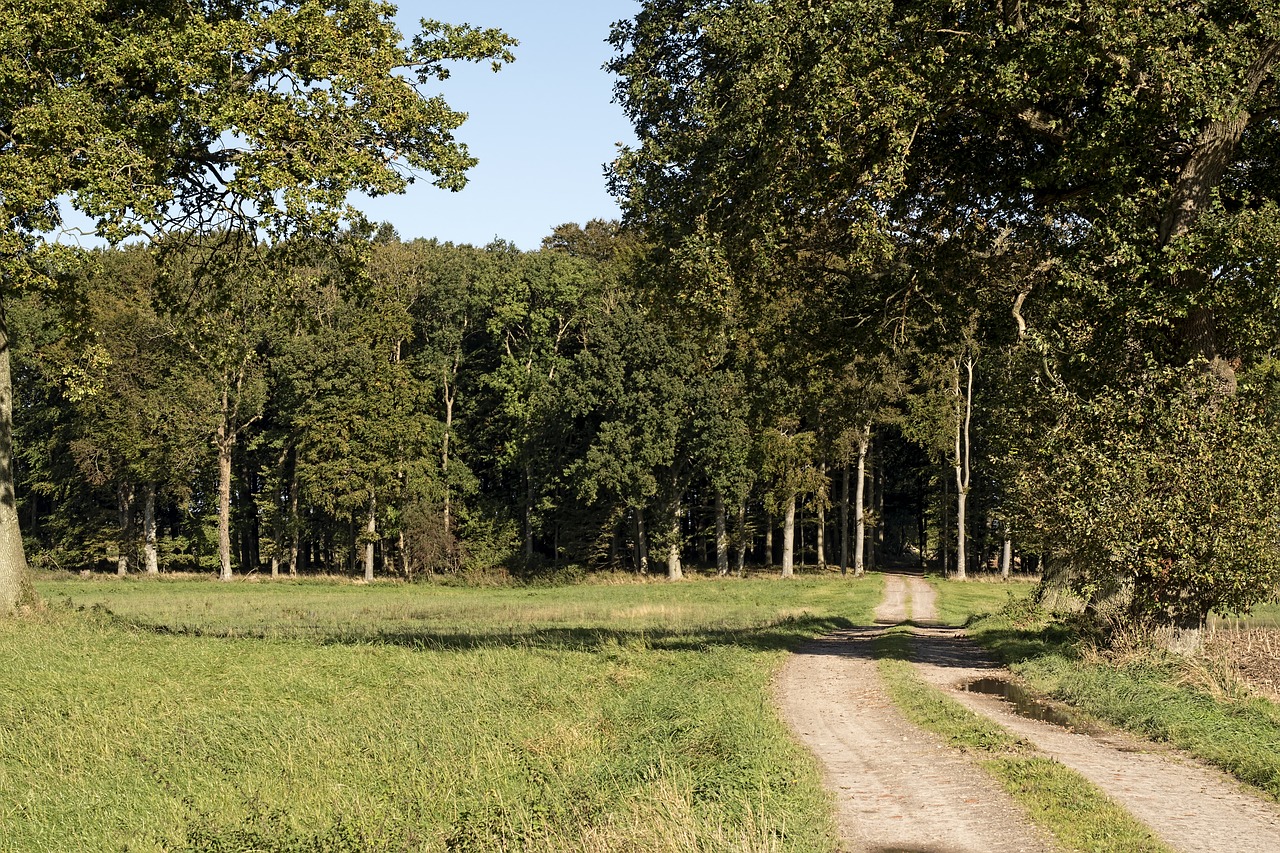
(539, 304)
(1109, 207)
(227, 115)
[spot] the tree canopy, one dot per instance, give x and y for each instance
(219, 116)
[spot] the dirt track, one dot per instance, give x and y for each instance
(899, 789)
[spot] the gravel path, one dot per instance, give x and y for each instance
(1189, 806)
(896, 788)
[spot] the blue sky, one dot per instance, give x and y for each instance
(542, 127)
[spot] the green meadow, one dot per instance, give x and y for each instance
(295, 716)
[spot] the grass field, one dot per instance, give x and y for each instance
(186, 715)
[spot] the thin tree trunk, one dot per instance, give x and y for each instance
(944, 534)
(124, 503)
(642, 544)
(789, 538)
(722, 538)
(449, 396)
(821, 542)
(295, 525)
(768, 539)
(742, 537)
(822, 537)
(371, 533)
(860, 506)
(1006, 557)
(922, 527)
(964, 415)
(844, 521)
(150, 551)
(14, 585)
(675, 571)
(224, 441)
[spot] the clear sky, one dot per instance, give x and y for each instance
(543, 127)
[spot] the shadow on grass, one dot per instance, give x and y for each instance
(1013, 645)
(919, 642)
(789, 634)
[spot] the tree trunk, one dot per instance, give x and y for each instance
(789, 538)
(742, 537)
(922, 526)
(944, 535)
(675, 571)
(151, 556)
(844, 520)
(444, 467)
(1006, 557)
(14, 585)
(642, 544)
(371, 533)
(768, 539)
(224, 440)
(295, 525)
(860, 506)
(964, 417)
(822, 528)
(124, 503)
(722, 538)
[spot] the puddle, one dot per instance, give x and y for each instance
(1026, 706)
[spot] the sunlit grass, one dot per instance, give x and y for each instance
(437, 614)
(960, 601)
(197, 716)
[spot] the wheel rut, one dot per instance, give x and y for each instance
(896, 788)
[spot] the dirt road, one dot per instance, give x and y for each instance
(898, 789)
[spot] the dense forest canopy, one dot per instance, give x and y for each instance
(959, 283)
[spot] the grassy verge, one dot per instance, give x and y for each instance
(1065, 803)
(1188, 702)
(1157, 695)
(187, 716)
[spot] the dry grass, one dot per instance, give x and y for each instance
(1249, 654)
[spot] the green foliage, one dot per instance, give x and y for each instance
(266, 112)
(1162, 493)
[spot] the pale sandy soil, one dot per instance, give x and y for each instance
(897, 789)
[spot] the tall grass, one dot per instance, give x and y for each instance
(189, 716)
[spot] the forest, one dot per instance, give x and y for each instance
(399, 408)
(860, 309)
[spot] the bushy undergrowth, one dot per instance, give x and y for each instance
(195, 717)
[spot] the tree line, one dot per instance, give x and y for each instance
(371, 405)
(948, 280)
